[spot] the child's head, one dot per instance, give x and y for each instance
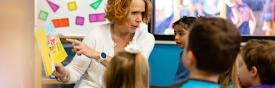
(212, 46)
(127, 70)
(181, 27)
(258, 63)
(230, 77)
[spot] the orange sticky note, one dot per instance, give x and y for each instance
(63, 22)
(72, 6)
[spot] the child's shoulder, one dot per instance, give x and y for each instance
(195, 83)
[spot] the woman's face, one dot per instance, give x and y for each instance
(180, 35)
(137, 9)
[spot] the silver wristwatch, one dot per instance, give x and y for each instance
(102, 57)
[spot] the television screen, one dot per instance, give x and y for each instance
(252, 17)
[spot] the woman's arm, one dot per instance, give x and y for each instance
(80, 48)
(73, 71)
(79, 64)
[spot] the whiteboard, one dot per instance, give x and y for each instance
(83, 9)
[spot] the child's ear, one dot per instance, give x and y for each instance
(191, 58)
(186, 58)
(254, 72)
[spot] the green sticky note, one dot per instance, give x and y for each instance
(43, 15)
(96, 4)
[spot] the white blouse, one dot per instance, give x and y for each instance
(100, 39)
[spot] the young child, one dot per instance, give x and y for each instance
(258, 67)
(127, 69)
(229, 79)
(212, 47)
(181, 28)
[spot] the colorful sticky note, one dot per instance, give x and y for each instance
(96, 4)
(43, 15)
(63, 22)
(79, 20)
(49, 28)
(72, 6)
(97, 17)
(53, 6)
(92, 18)
(100, 17)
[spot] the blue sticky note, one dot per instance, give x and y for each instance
(49, 28)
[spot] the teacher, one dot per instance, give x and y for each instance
(127, 27)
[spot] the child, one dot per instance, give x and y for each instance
(127, 69)
(212, 47)
(229, 79)
(258, 67)
(181, 28)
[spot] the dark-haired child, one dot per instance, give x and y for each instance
(181, 28)
(212, 47)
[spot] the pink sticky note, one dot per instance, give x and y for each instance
(92, 17)
(79, 20)
(100, 17)
(53, 6)
(97, 17)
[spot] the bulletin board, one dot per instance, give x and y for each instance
(70, 17)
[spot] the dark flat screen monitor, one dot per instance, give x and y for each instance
(253, 18)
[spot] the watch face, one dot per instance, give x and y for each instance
(103, 55)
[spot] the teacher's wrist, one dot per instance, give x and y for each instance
(64, 77)
(95, 55)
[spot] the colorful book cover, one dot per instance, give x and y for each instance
(51, 48)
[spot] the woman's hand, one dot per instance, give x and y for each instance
(60, 73)
(80, 48)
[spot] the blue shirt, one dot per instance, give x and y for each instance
(182, 72)
(192, 83)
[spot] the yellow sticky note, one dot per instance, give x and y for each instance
(72, 6)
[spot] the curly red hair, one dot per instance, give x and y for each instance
(118, 10)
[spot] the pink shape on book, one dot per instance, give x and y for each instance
(53, 6)
(79, 20)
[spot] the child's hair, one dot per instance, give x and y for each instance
(230, 77)
(127, 70)
(215, 42)
(185, 22)
(261, 54)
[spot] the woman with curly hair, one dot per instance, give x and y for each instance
(104, 41)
